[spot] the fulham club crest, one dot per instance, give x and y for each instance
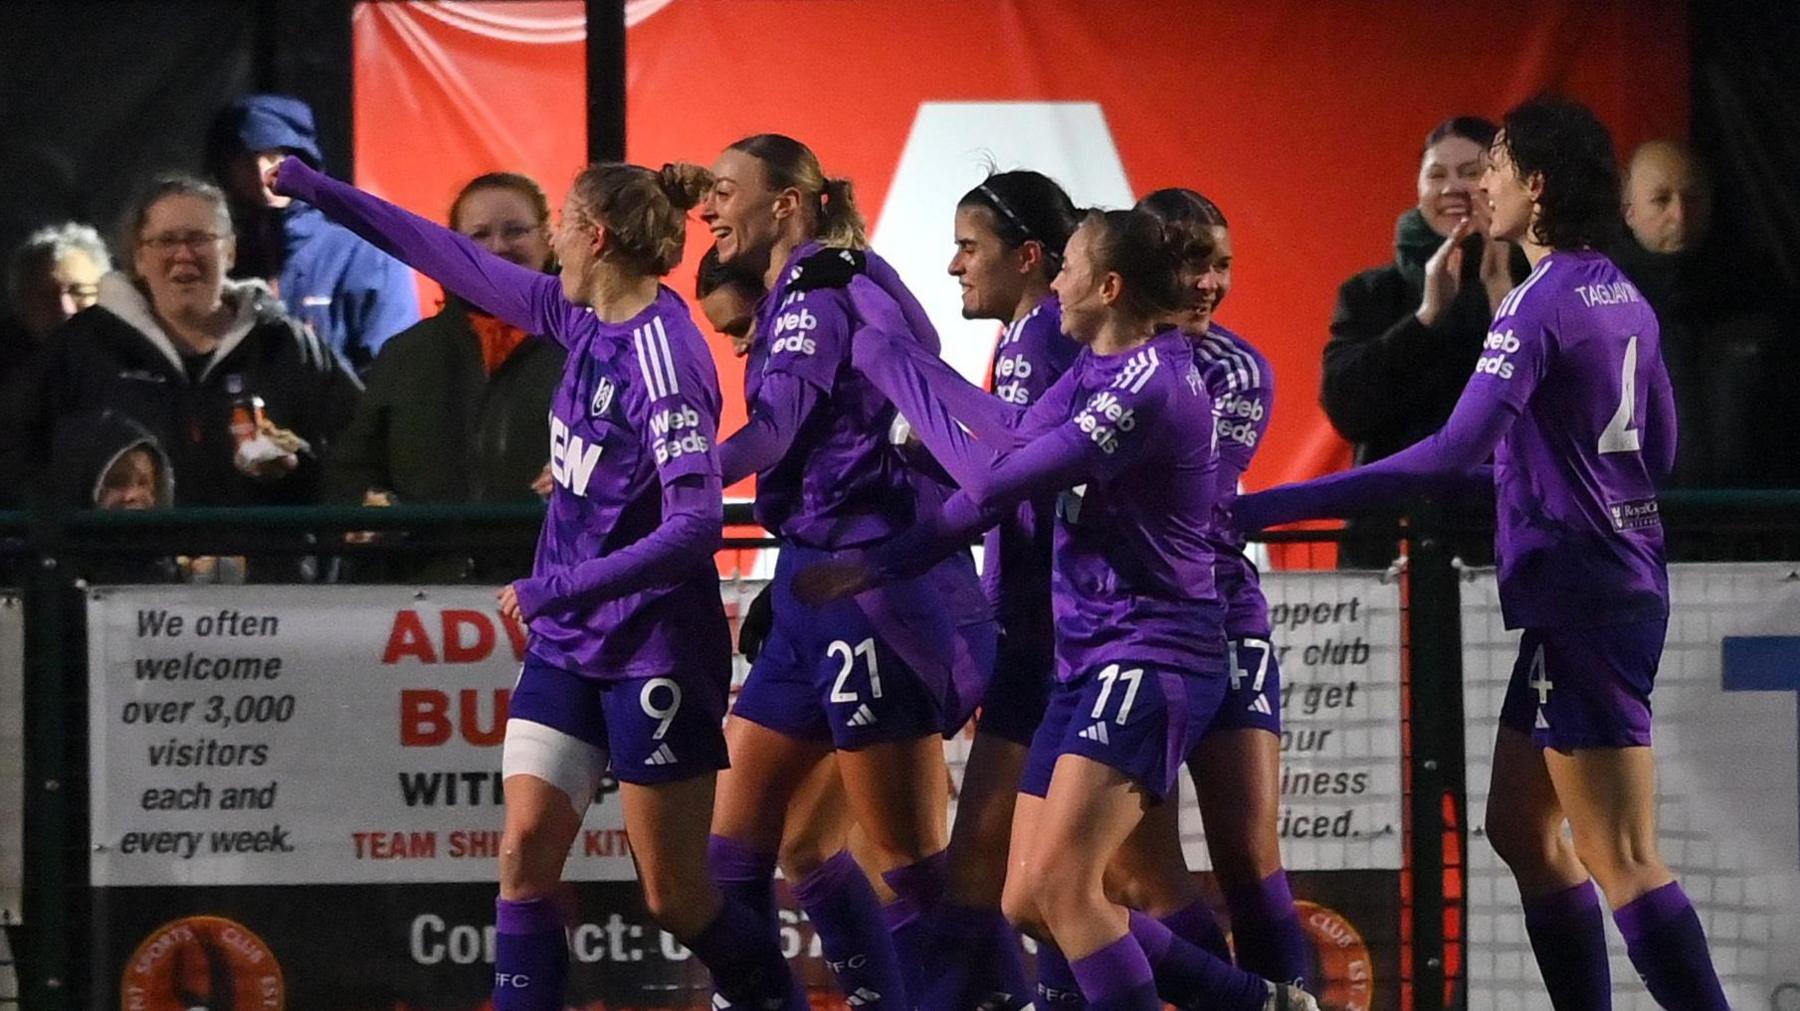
(603, 397)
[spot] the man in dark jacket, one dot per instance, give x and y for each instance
(457, 406)
(1405, 337)
(353, 295)
(1722, 335)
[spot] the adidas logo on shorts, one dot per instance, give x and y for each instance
(1261, 705)
(661, 756)
(863, 717)
(863, 995)
(1095, 733)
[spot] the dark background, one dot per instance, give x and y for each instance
(98, 95)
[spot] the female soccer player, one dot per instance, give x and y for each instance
(1127, 436)
(871, 678)
(1010, 232)
(1237, 767)
(1571, 397)
(817, 828)
(629, 658)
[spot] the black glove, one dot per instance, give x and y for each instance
(828, 268)
(754, 627)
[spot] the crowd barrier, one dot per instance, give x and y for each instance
(290, 793)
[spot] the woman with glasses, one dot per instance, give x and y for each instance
(243, 397)
(458, 405)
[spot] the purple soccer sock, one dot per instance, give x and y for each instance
(1186, 976)
(1568, 936)
(1117, 978)
(1270, 941)
(1667, 944)
(976, 961)
(1056, 987)
(747, 966)
(1196, 924)
(847, 917)
(744, 875)
(531, 955)
(917, 890)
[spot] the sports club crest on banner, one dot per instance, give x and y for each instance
(203, 961)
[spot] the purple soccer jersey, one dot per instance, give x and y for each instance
(1133, 576)
(840, 483)
(1242, 386)
(1576, 352)
(1129, 440)
(637, 410)
(1033, 353)
(623, 585)
(1571, 398)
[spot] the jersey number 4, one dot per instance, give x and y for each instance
(1620, 436)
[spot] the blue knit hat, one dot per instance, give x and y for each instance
(275, 122)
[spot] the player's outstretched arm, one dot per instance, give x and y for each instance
(1465, 443)
(1050, 462)
(883, 352)
(528, 299)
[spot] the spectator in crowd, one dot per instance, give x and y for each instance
(104, 460)
(243, 398)
(1719, 335)
(457, 406)
(1405, 336)
(52, 276)
(353, 295)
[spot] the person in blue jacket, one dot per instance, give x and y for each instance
(351, 294)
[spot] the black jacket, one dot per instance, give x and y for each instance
(1730, 357)
(1390, 380)
(433, 426)
(115, 356)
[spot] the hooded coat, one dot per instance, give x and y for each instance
(116, 356)
(88, 445)
(86, 448)
(353, 295)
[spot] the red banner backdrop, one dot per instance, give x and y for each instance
(1302, 120)
(447, 91)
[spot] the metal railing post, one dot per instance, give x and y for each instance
(45, 975)
(1434, 630)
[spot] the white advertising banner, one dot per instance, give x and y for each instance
(1729, 804)
(1337, 639)
(306, 735)
(345, 734)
